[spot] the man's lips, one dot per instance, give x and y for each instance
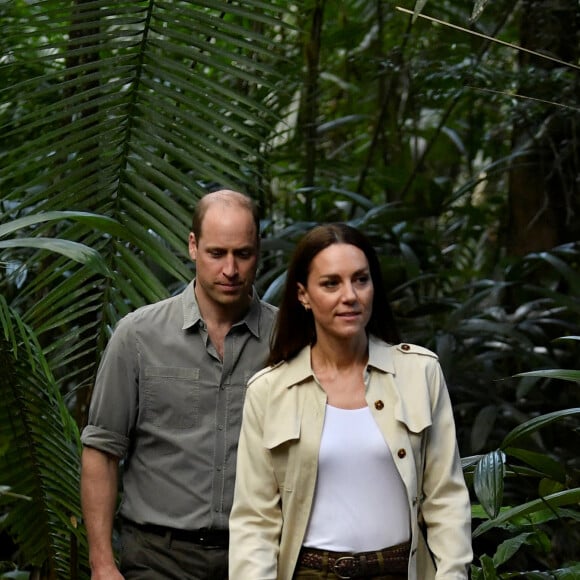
(230, 286)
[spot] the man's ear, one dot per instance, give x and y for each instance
(192, 244)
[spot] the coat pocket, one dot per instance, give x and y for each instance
(281, 439)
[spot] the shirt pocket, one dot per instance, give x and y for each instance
(171, 397)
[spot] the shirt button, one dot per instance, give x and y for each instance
(379, 405)
(405, 347)
(220, 427)
(401, 453)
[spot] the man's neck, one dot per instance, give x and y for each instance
(220, 315)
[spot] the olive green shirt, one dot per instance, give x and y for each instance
(167, 404)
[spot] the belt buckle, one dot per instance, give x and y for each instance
(337, 568)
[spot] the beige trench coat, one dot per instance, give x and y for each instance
(278, 461)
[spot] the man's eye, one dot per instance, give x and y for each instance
(216, 253)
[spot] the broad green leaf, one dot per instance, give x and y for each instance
(542, 462)
(98, 222)
(488, 568)
(73, 250)
(529, 427)
(508, 548)
(553, 501)
(488, 481)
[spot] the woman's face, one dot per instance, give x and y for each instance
(339, 291)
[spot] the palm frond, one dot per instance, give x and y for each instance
(41, 457)
(130, 110)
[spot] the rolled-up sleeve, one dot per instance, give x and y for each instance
(114, 402)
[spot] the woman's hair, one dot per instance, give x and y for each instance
(295, 325)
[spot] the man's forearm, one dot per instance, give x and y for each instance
(99, 474)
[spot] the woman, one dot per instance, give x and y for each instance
(347, 443)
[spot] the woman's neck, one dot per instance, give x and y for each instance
(340, 354)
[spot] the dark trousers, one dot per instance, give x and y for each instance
(150, 556)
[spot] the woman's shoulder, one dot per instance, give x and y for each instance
(286, 373)
(404, 350)
(408, 348)
(263, 376)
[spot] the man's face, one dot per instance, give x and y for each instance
(226, 256)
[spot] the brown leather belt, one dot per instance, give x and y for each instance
(203, 537)
(393, 561)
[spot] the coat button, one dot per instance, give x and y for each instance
(379, 405)
(405, 347)
(401, 453)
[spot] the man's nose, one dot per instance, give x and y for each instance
(230, 266)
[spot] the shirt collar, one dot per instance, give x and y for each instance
(192, 315)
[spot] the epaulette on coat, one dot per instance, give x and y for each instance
(408, 348)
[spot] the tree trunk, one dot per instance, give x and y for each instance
(544, 179)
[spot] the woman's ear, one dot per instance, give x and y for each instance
(302, 296)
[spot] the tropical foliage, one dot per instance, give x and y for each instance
(446, 131)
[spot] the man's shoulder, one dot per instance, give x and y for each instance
(152, 313)
(268, 309)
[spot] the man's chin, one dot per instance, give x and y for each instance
(233, 295)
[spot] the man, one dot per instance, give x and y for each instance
(168, 400)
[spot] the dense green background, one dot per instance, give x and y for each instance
(447, 131)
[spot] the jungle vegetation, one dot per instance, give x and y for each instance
(448, 131)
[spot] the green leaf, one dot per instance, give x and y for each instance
(488, 568)
(508, 548)
(567, 375)
(95, 221)
(542, 462)
(41, 462)
(73, 250)
(529, 427)
(553, 501)
(488, 482)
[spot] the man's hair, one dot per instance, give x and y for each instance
(225, 197)
(295, 327)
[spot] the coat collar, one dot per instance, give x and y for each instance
(381, 355)
(380, 358)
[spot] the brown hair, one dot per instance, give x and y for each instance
(295, 326)
(226, 197)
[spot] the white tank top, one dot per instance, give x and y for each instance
(360, 503)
